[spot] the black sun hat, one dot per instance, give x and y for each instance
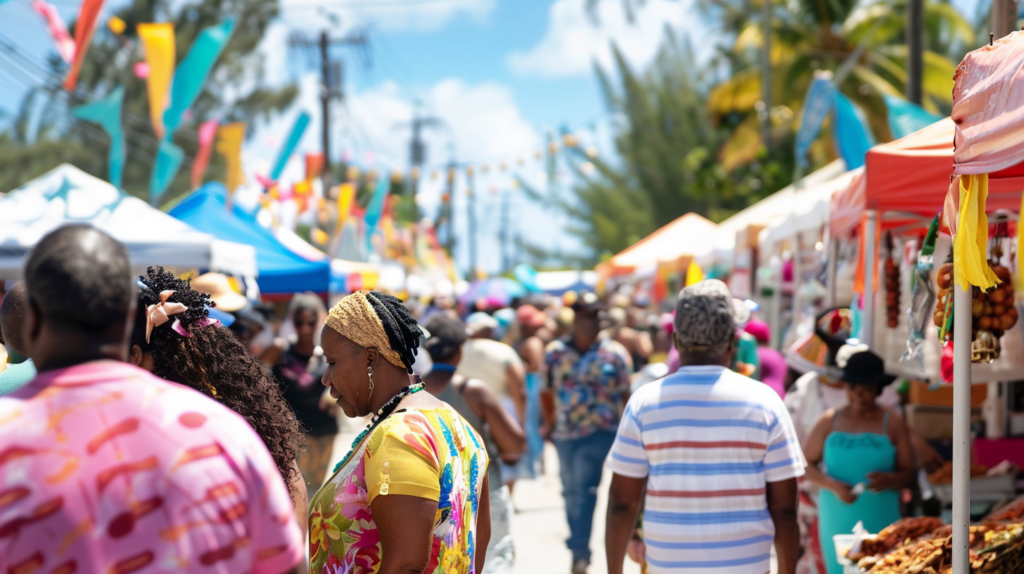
(860, 366)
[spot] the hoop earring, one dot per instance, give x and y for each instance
(369, 375)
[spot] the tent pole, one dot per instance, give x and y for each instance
(776, 316)
(962, 299)
(867, 335)
(833, 257)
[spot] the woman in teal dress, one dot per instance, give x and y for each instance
(863, 444)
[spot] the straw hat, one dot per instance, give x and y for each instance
(220, 291)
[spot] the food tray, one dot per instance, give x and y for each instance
(987, 488)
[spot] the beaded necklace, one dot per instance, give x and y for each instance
(382, 413)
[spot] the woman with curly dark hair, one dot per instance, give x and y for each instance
(175, 338)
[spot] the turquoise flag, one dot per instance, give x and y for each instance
(191, 73)
(376, 207)
(906, 117)
(290, 144)
(168, 162)
(816, 107)
(107, 113)
(850, 131)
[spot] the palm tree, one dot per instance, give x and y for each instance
(823, 35)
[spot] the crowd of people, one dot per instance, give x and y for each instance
(160, 423)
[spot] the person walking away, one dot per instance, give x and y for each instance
(637, 343)
(531, 350)
(413, 493)
(175, 337)
(108, 468)
(587, 387)
(499, 367)
(298, 363)
(710, 454)
(20, 369)
(480, 407)
(773, 364)
(861, 444)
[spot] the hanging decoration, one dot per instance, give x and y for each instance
(816, 107)
(168, 161)
(229, 145)
(922, 298)
(375, 209)
(207, 133)
(314, 166)
(158, 44)
(298, 128)
(85, 26)
(116, 25)
(892, 283)
(107, 113)
(193, 70)
(971, 235)
(850, 131)
(57, 30)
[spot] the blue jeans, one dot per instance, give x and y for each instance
(581, 461)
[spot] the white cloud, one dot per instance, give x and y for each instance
(391, 15)
(573, 42)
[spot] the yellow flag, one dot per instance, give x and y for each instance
(694, 274)
(346, 193)
(229, 144)
(158, 43)
(970, 266)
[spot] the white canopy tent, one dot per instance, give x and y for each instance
(68, 195)
(811, 213)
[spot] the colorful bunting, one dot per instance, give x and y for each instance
(168, 162)
(290, 144)
(107, 113)
(193, 70)
(229, 145)
(817, 104)
(314, 165)
(850, 132)
(207, 133)
(84, 28)
(57, 29)
(158, 44)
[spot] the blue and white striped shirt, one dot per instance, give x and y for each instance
(708, 440)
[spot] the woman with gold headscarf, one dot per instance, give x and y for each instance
(411, 495)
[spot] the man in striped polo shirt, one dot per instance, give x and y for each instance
(716, 453)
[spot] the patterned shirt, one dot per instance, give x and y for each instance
(708, 440)
(428, 453)
(108, 469)
(589, 389)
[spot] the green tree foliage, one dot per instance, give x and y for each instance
(233, 92)
(666, 164)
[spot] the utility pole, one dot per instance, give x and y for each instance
(1004, 17)
(471, 220)
(505, 233)
(915, 49)
(447, 216)
(418, 150)
(766, 72)
(331, 82)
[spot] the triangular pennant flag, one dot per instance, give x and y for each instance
(57, 30)
(207, 132)
(107, 113)
(907, 117)
(193, 70)
(168, 162)
(84, 28)
(229, 145)
(375, 209)
(298, 128)
(158, 44)
(850, 132)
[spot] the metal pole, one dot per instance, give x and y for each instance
(833, 257)
(325, 109)
(962, 320)
(915, 49)
(776, 316)
(471, 220)
(1004, 17)
(870, 269)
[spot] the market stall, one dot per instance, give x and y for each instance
(69, 195)
(282, 271)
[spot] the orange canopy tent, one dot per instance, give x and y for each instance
(908, 179)
(676, 242)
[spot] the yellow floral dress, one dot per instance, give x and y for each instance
(428, 453)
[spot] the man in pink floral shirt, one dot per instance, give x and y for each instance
(107, 469)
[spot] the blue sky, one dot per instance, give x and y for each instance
(500, 73)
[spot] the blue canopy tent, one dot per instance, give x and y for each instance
(282, 272)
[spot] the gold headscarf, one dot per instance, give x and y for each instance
(354, 318)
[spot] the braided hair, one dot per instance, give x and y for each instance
(404, 333)
(214, 362)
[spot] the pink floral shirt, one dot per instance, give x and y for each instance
(105, 468)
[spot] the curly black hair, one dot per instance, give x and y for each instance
(400, 326)
(214, 362)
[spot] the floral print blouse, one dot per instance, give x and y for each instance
(429, 453)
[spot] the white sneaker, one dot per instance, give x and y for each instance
(580, 566)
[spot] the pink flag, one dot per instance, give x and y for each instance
(57, 29)
(207, 132)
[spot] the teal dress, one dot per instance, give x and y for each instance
(849, 458)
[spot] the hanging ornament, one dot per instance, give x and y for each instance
(892, 284)
(116, 25)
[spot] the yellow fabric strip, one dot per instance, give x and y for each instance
(229, 145)
(970, 266)
(354, 318)
(1018, 276)
(158, 44)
